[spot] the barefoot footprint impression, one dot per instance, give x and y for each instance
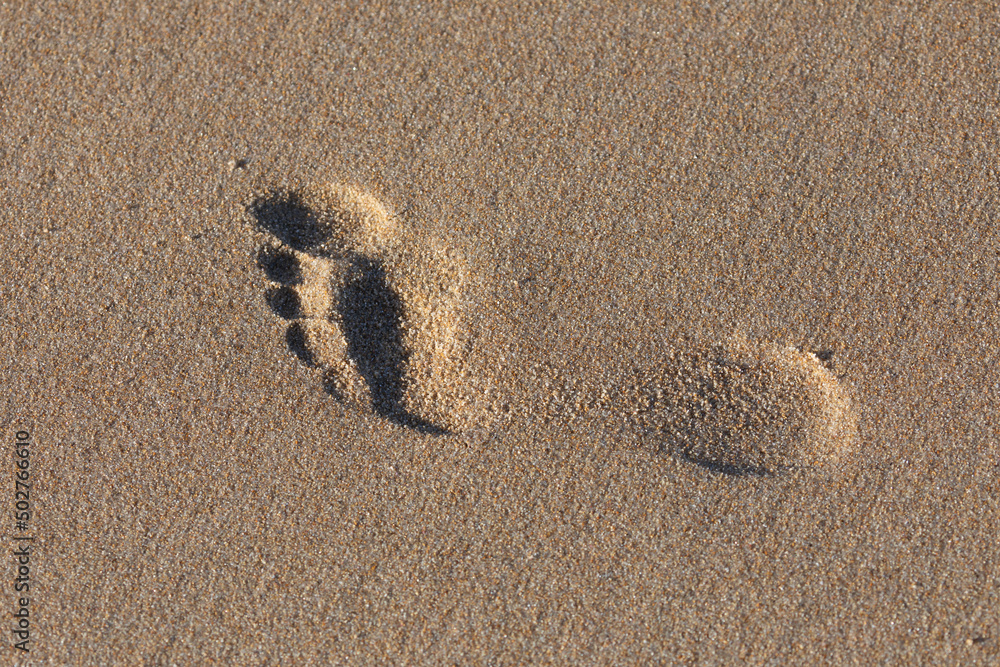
(380, 314)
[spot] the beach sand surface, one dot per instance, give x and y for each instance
(359, 333)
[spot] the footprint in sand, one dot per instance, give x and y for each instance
(380, 313)
(747, 410)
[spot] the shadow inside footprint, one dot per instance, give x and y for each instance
(280, 265)
(731, 469)
(372, 316)
(284, 302)
(291, 221)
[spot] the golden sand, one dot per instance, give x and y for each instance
(494, 334)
